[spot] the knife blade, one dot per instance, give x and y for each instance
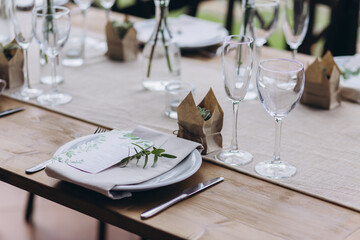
(10, 111)
(185, 194)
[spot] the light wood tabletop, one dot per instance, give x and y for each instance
(241, 207)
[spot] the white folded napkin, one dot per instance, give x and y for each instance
(350, 88)
(104, 181)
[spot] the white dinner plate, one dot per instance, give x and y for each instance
(189, 32)
(180, 172)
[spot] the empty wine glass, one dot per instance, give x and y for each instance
(51, 28)
(74, 54)
(263, 18)
(21, 18)
(107, 4)
(280, 84)
(236, 73)
(296, 22)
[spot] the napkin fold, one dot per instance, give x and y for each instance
(104, 182)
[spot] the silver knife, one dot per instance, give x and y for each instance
(10, 111)
(185, 194)
(38, 167)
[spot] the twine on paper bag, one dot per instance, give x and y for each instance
(193, 127)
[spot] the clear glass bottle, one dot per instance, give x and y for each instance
(161, 55)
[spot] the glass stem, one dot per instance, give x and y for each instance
(54, 88)
(26, 68)
(107, 14)
(234, 144)
(276, 157)
(83, 38)
(294, 52)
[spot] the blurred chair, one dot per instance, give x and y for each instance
(340, 36)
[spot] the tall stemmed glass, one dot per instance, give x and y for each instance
(296, 22)
(107, 4)
(237, 63)
(51, 28)
(280, 84)
(262, 24)
(21, 18)
(83, 5)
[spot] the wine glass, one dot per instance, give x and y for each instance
(21, 18)
(51, 28)
(296, 22)
(236, 72)
(280, 84)
(262, 23)
(107, 4)
(74, 54)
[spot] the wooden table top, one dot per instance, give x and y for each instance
(241, 207)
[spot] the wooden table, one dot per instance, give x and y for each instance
(242, 207)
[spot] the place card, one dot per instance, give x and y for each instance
(100, 151)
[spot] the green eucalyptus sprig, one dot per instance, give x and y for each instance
(157, 152)
(347, 73)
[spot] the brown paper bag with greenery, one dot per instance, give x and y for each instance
(192, 125)
(322, 88)
(11, 65)
(121, 41)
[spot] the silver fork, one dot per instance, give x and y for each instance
(43, 165)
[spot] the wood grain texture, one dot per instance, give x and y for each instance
(241, 207)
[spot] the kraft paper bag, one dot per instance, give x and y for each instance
(193, 127)
(121, 41)
(11, 65)
(322, 88)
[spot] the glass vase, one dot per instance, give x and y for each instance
(161, 55)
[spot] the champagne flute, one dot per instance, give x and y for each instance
(51, 28)
(236, 72)
(262, 23)
(22, 13)
(296, 22)
(83, 5)
(107, 4)
(280, 84)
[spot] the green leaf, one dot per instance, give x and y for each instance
(168, 155)
(157, 151)
(156, 157)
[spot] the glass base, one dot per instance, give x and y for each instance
(27, 93)
(72, 62)
(171, 114)
(234, 158)
(54, 99)
(155, 85)
(275, 170)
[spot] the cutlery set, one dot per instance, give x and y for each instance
(155, 210)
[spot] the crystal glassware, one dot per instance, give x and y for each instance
(280, 84)
(260, 21)
(22, 13)
(51, 28)
(107, 4)
(296, 22)
(237, 63)
(74, 54)
(6, 29)
(161, 55)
